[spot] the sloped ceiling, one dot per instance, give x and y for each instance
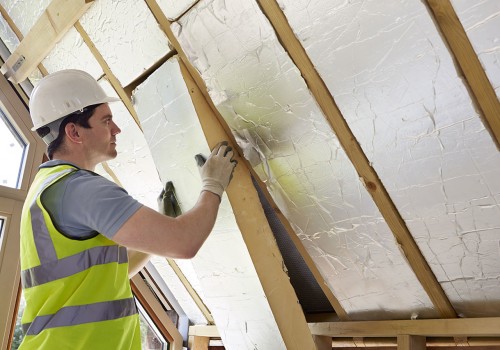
(358, 119)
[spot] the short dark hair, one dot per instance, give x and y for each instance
(79, 118)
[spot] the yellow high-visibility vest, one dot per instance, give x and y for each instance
(77, 292)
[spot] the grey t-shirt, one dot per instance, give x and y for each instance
(84, 203)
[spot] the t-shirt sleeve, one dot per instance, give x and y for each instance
(86, 202)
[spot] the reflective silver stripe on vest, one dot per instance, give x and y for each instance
(43, 242)
(75, 315)
(73, 264)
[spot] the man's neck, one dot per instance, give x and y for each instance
(81, 163)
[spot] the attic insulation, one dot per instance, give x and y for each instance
(174, 8)
(24, 13)
(285, 137)
(72, 53)
(396, 84)
(11, 41)
(226, 274)
(481, 20)
(134, 165)
(130, 44)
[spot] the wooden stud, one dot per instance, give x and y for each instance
(198, 343)
(358, 158)
(156, 312)
(323, 342)
(52, 25)
(411, 342)
(109, 74)
(165, 25)
(256, 233)
(456, 37)
(192, 292)
(204, 331)
(20, 36)
(479, 327)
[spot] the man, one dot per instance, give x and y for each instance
(82, 235)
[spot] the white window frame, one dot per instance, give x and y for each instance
(11, 203)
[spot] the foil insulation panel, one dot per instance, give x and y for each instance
(72, 53)
(7, 35)
(175, 8)
(170, 124)
(24, 13)
(127, 35)
(283, 134)
(396, 84)
(481, 21)
(134, 165)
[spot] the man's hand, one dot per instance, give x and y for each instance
(218, 169)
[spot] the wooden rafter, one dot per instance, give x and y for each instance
(165, 25)
(19, 35)
(473, 327)
(109, 74)
(52, 25)
(358, 158)
(466, 57)
(256, 233)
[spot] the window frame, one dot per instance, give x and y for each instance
(11, 204)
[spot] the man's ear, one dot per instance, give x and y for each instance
(72, 132)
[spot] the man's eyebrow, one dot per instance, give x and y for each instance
(107, 116)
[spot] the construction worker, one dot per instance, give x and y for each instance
(82, 236)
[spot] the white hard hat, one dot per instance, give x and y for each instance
(62, 93)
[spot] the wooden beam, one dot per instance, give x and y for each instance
(52, 25)
(109, 74)
(19, 35)
(204, 331)
(482, 90)
(192, 292)
(256, 233)
(473, 327)
(165, 25)
(411, 342)
(358, 158)
(198, 343)
(322, 342)
(156, 312)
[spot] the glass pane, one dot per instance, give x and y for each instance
(12, 149)
(150, 335)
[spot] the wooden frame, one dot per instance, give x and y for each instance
(469, 327)
(52, 25)
(358, 158)
(481, 88)
(156, 312)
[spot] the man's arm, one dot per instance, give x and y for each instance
(151, 232)
(136, 261)
(181, 237)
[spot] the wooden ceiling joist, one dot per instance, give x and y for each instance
(19, 35)
(52, 25)
(481, 88)
(358, 158)
(463, 327)
(256, 233)
(165, 25)
(113, 80)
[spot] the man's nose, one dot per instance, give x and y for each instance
(115, 129)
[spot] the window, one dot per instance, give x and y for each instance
(12, 153)
(150, 335)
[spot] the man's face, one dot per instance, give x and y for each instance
(100, 139)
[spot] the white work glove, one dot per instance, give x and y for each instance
(217, 171)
